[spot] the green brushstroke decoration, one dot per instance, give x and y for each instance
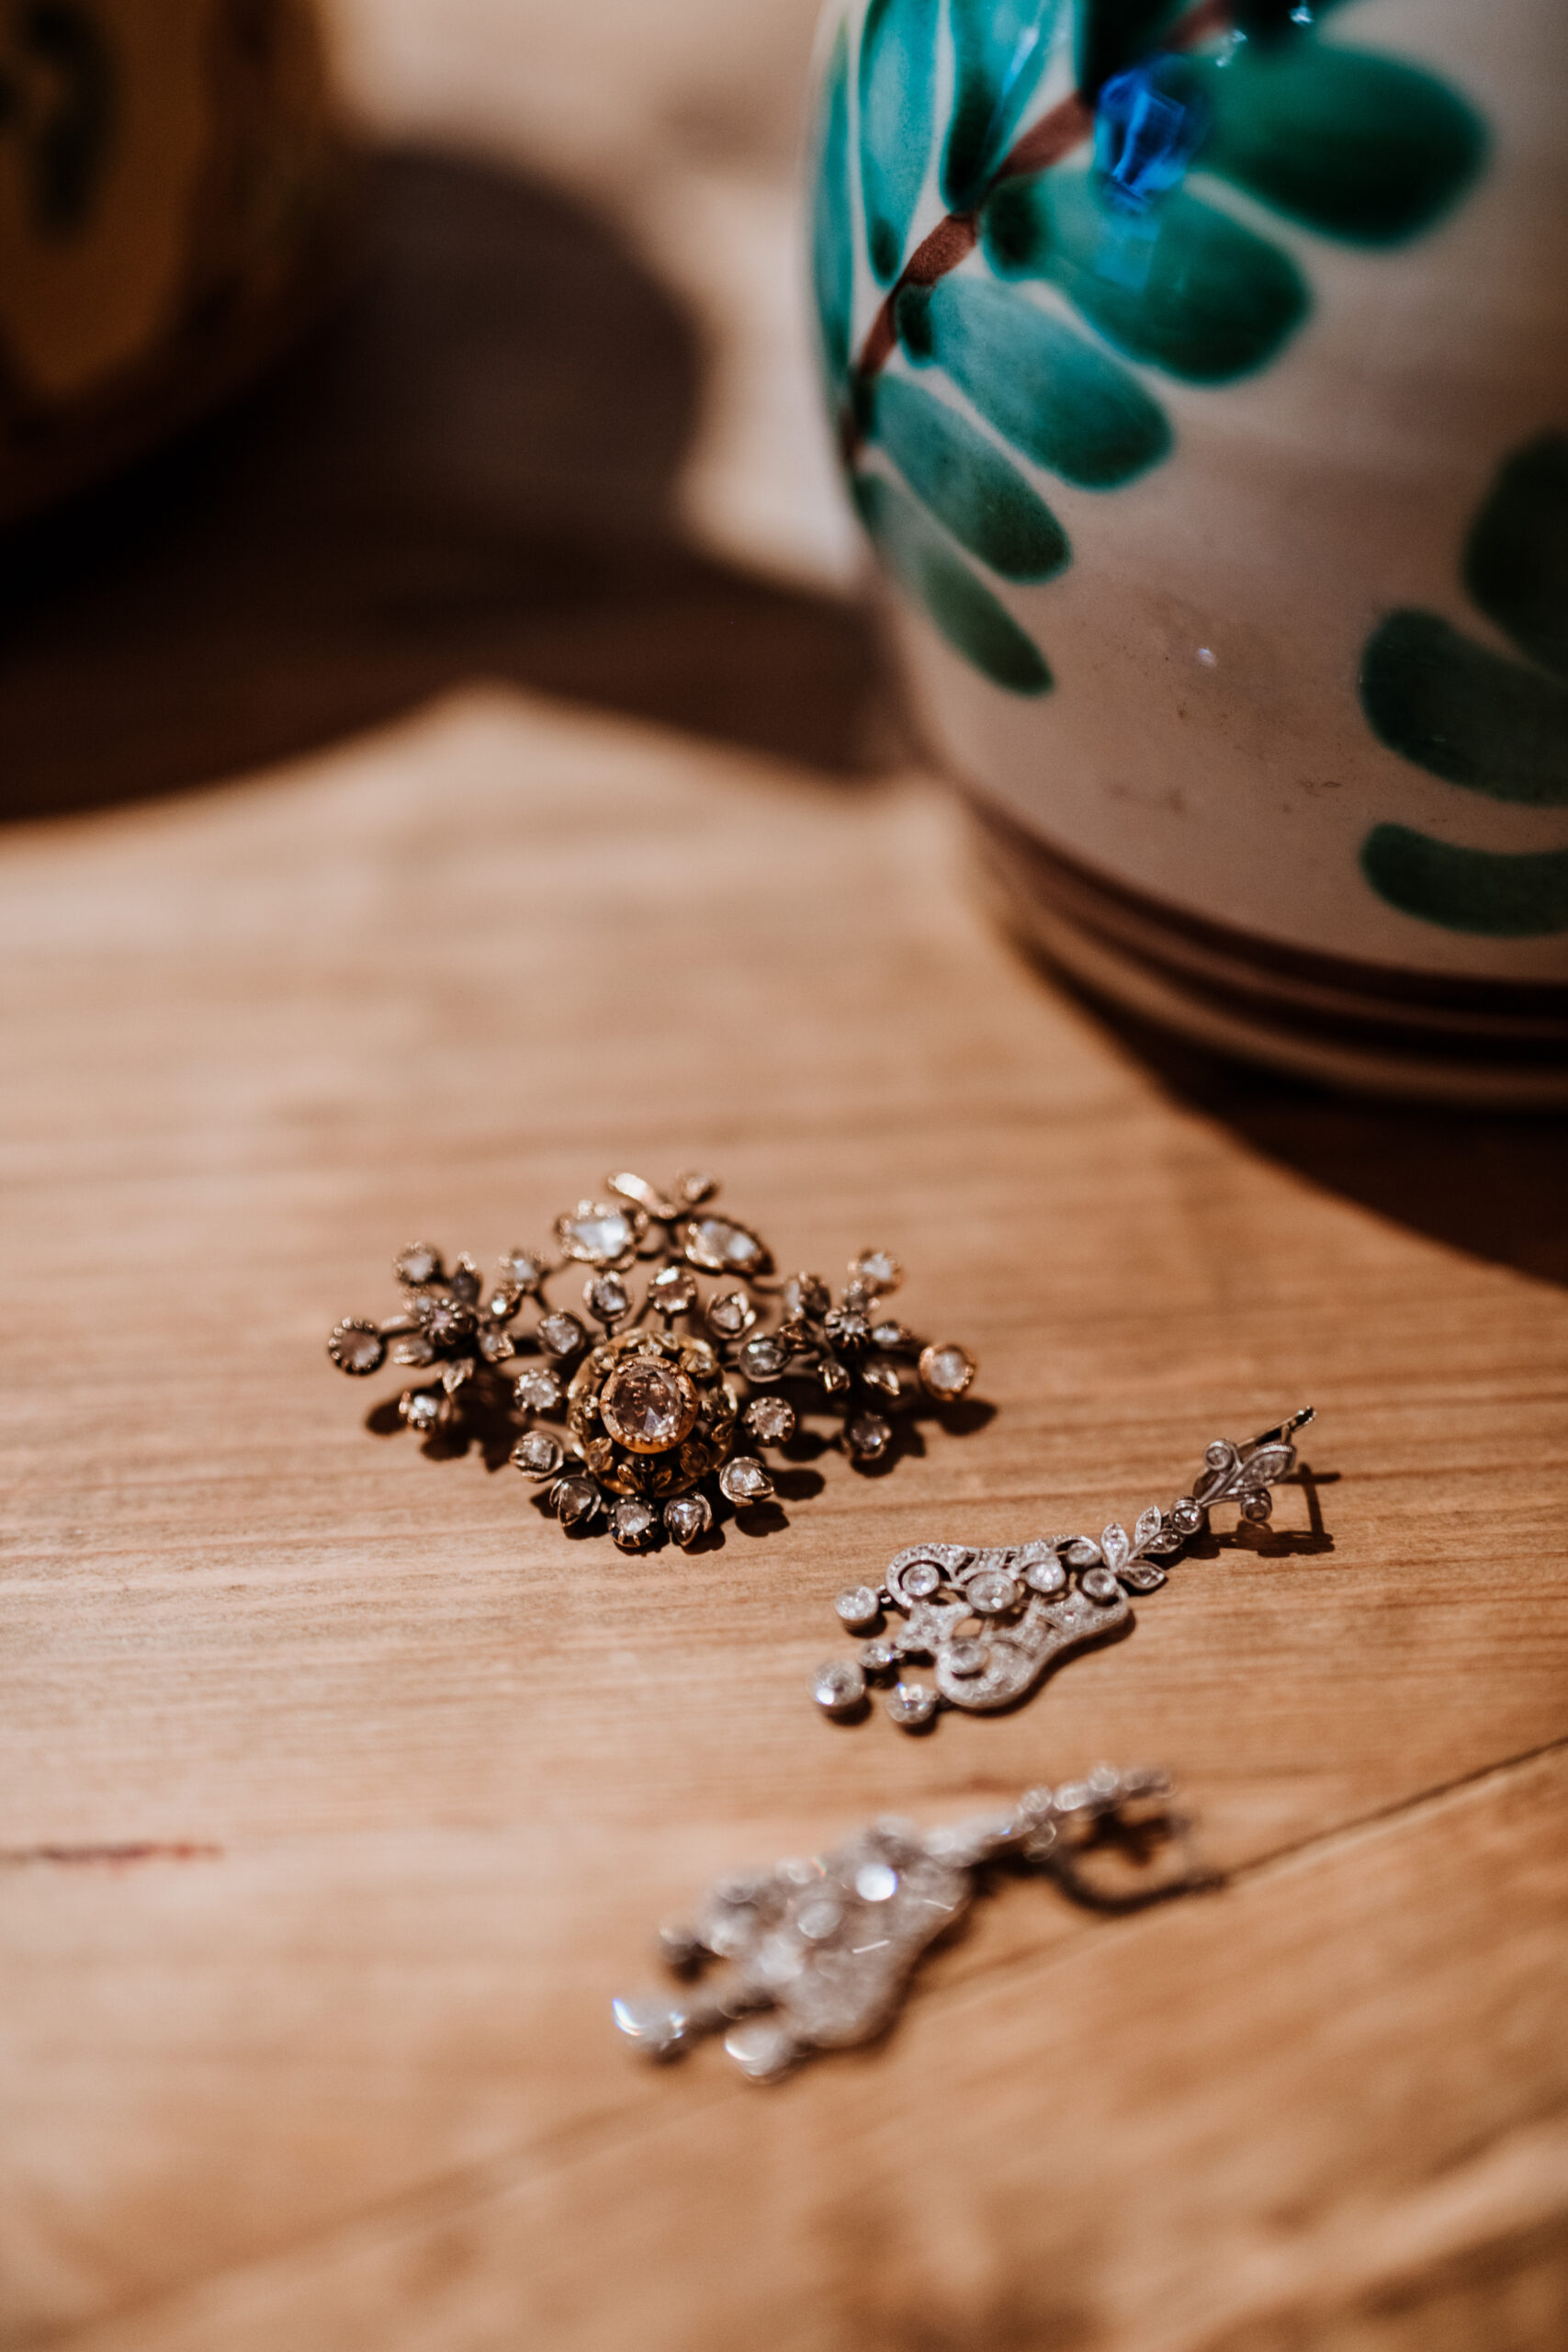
(1053, 393)
(898, 100)
(1150, 280)
(1516, 558)
(1462, 712)
(984, 500)
(1184, 287)
(1000, 50)
(1479, 720)
(832, 230)
(968, 616)
(1491, 893)
(1358, 147)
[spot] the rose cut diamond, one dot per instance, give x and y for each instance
(771, 1419)
(606, 1296)
(575, 1500)
(761, 2048)
(357, 1348)
(720, 1247)
(632, 1523)
(654, 2024)
(538, 1454)
(418, 1263)
(673, 1290)
(601, 1234)
(870, 1437)
(523, 1269)
(911, 1704)
(731, 1313)
(877, 1269)
(447, 1320)
(860, 1605)
(537, 1391)
(991, 1592)
(807, 1294)
(946, 1371)
(839, 1686)
(648, 1406)
(562, 1334)
(687, 1516)
(744, 1480)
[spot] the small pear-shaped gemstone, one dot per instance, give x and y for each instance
(722, 1248)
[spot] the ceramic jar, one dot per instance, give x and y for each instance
(172, 188)
(1201, 374)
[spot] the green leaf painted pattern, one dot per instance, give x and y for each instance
(1462, 712)
(1000, 47)
(832, 230)
(1489, 893)
(1356, 146)
(1048, 390)
(968, 616)
(1477, 718)
(1359, 147)
(898, 99)
(1188, 289)
(968, 485)
(1516, 558)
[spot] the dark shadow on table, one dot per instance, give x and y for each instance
(1487, 1182)
(467, 473)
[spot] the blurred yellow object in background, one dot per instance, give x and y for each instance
(172, 186)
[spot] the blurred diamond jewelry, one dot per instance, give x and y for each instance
(817, 1954)
(665, 1408)
(993, 1620)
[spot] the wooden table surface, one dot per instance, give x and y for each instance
(406, 829)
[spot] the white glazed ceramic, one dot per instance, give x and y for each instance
(1268, 317)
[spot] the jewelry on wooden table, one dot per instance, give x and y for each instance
(818, 1953)
(1032, 1602)
(675, 1394)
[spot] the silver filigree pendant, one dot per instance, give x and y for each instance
(817, 1954)
(991, 1621)
(657, 1413)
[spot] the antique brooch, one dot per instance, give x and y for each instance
(991, 1621)
(817, 1954)
(663, 1409)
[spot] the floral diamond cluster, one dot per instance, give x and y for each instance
(653, 1410)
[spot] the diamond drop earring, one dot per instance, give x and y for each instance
(993, 1620)
(818, 1954)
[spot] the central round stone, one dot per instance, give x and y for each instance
(647, 1407)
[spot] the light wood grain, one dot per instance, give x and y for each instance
(346, 2078)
